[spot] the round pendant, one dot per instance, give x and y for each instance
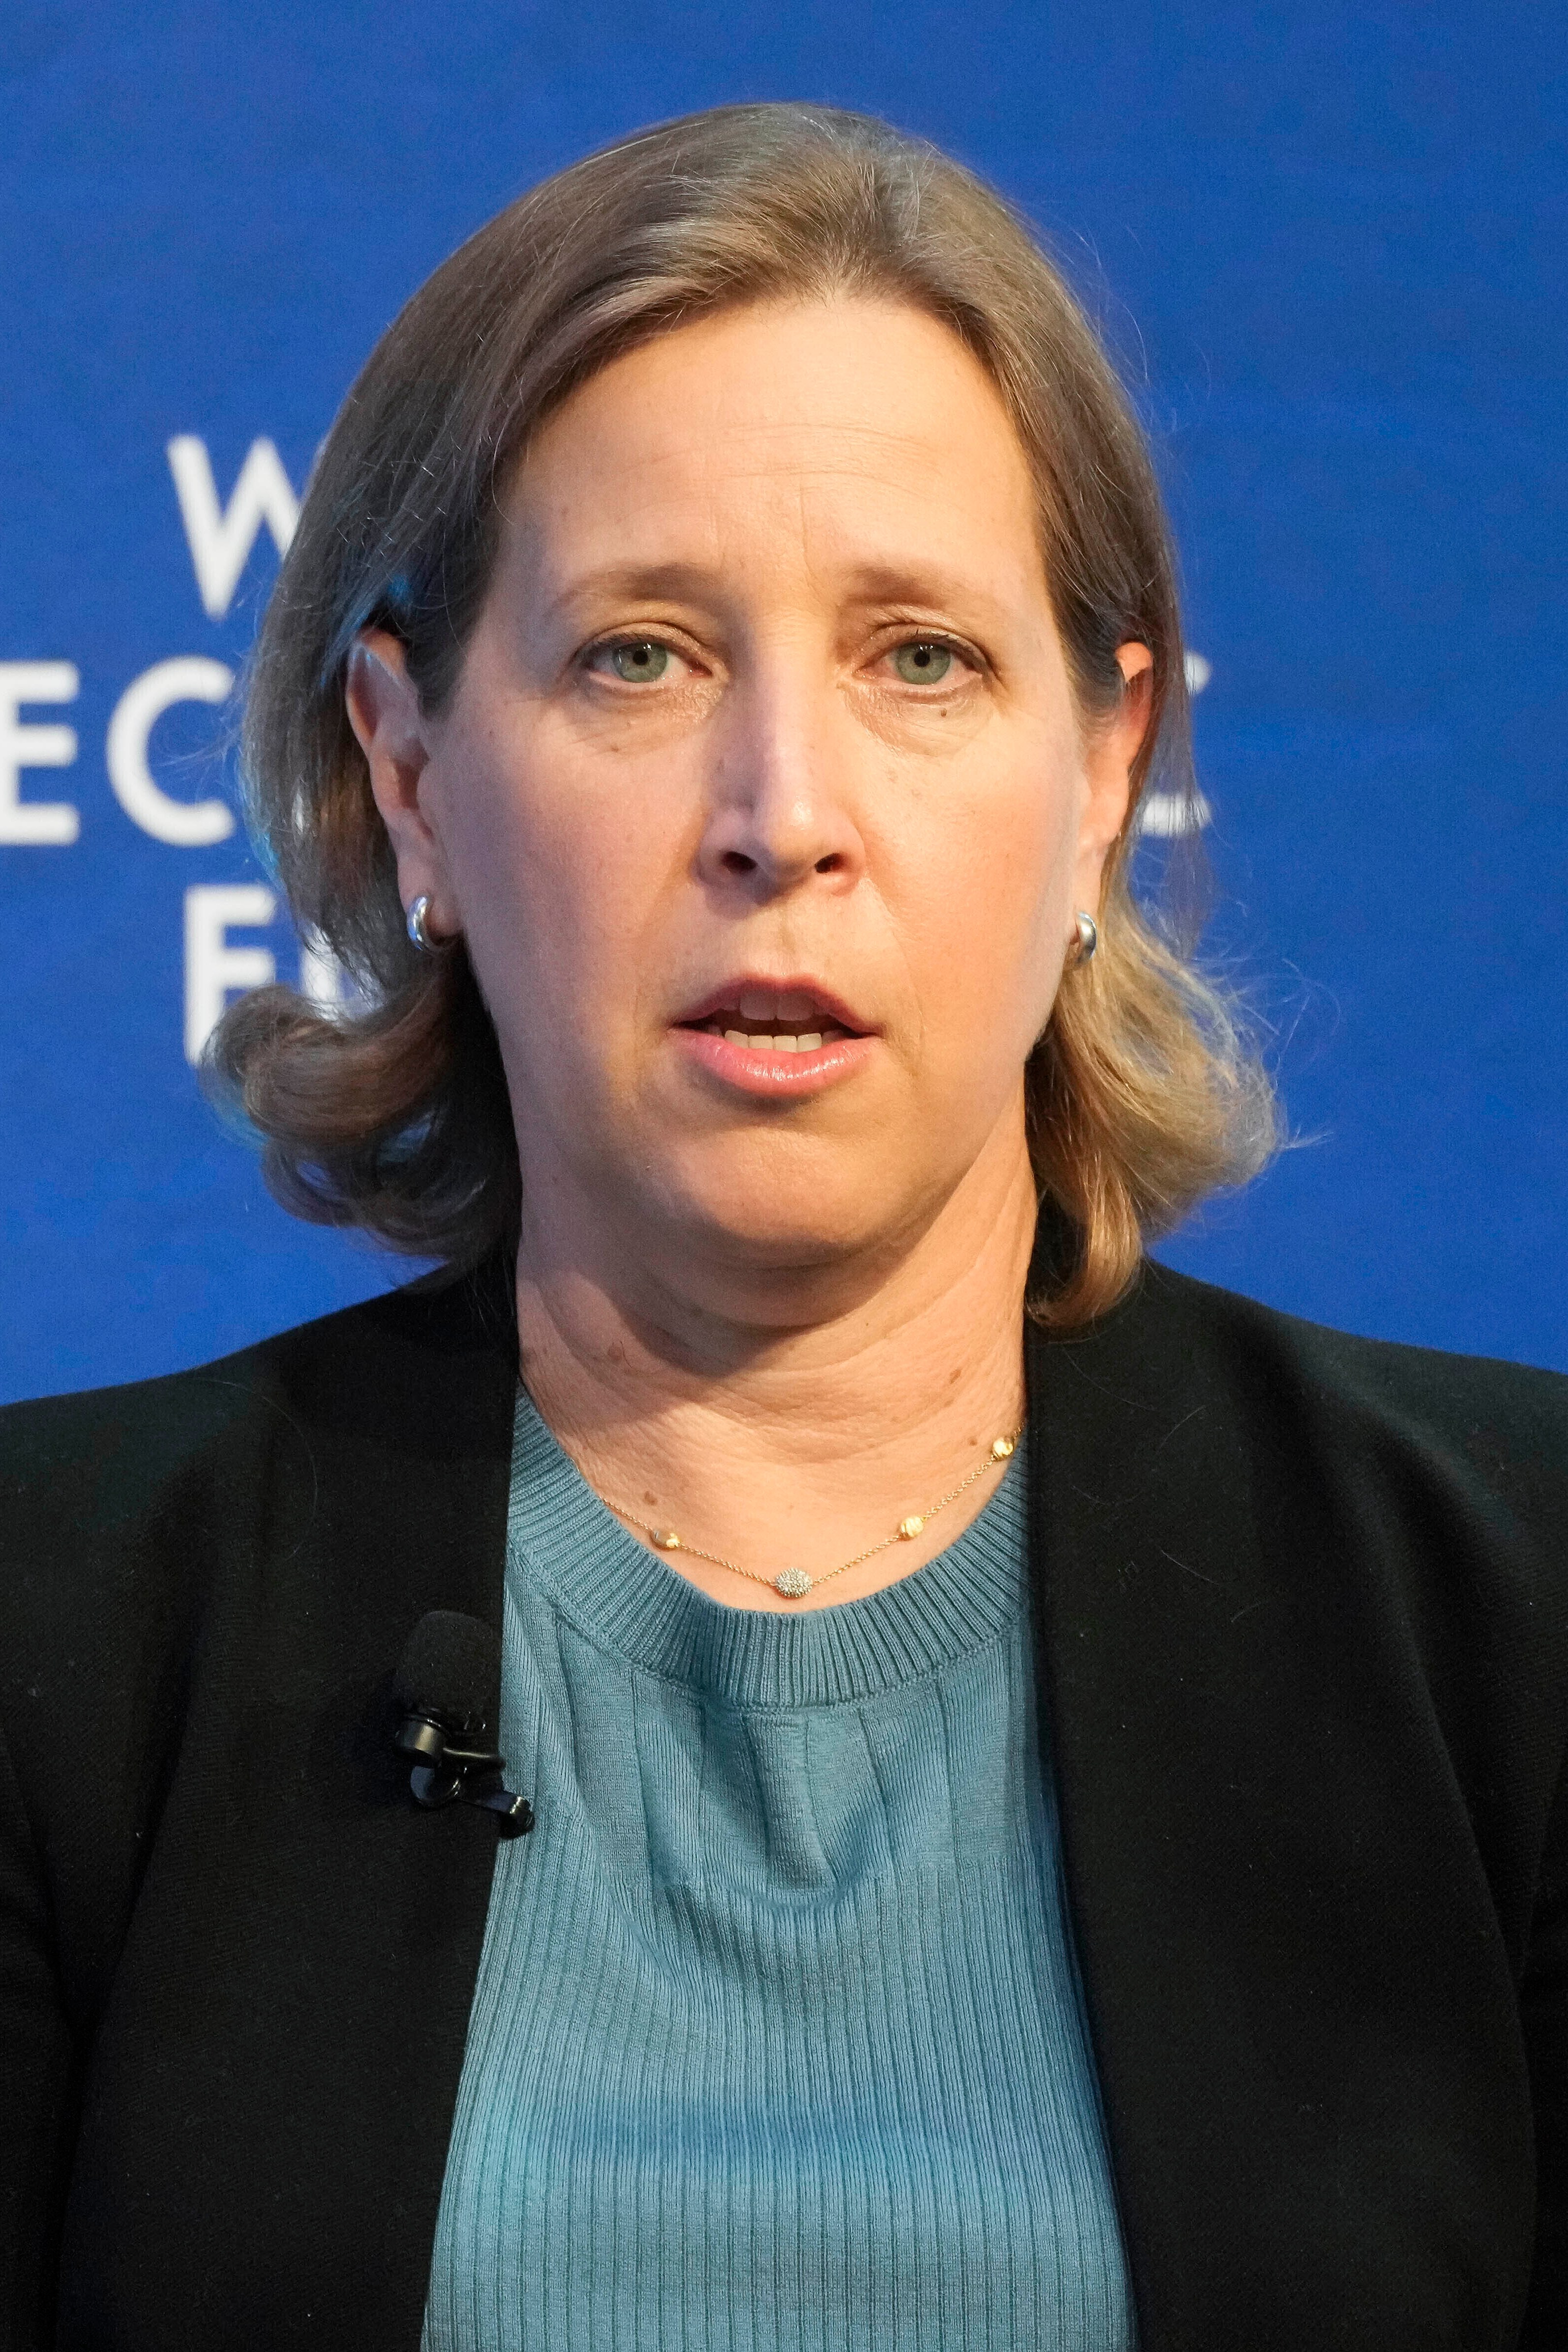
(791, 1582)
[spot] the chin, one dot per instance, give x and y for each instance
(796, 1219)
(784, 1234)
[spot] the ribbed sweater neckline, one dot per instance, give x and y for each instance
(627, 1600)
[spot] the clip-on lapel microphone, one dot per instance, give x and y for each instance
(449, 1669)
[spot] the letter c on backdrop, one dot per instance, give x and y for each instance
(186, 824)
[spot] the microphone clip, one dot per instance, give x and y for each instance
(443, 1773)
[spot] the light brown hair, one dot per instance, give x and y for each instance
(391, 1112)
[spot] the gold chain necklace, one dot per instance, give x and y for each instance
(793, 1582)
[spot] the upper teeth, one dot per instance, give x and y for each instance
(777, 1011)
(789, 1022)
(807, 1043)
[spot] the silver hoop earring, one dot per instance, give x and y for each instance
(1087, 936)
(417, 930)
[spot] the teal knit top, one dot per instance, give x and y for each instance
(778, 2038)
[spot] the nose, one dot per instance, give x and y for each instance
(778, 815)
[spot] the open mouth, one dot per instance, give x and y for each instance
(790, 1022)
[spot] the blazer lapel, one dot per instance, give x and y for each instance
(1296, 1990)
(323, 1931)
(400, 1991)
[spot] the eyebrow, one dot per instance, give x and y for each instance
(868, 582)
(911, 583)
(636, 583)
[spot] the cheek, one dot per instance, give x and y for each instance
(558, 882)
(990, 912)
(570, 876)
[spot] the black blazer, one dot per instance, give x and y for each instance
(1302, 1619)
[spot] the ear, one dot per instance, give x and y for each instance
(1113, 745)
(384, 710)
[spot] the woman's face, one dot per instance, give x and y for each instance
(763, 800)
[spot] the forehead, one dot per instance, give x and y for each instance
(849, 431)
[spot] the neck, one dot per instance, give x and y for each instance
(791, 1418)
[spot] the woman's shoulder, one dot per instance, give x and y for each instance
(141, 1498)
(1232, 1324)
(402, 1355)
(1226, 1455)
(1179, 1352)
(296, 1498)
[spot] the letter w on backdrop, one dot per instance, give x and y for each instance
(220, 537)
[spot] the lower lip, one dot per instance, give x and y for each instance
(776, 1077)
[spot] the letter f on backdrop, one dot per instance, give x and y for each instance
(221, 538)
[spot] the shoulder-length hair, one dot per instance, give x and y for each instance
(390, 1112)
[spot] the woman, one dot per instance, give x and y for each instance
(1047, 1777)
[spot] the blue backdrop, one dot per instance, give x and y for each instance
(1328, 245)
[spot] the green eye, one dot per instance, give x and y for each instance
(641, 662)
(922, 662)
